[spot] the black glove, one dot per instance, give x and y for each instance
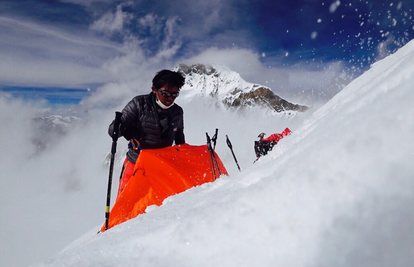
(129, 131)
(111, 130)
(126, 130)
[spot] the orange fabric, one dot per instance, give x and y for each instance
(127, 170)
(160, 173)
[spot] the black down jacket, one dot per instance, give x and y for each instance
(153, 126)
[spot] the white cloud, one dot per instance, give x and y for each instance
(64, 169)
(292, 82)
(211, 20)
(150, 22)
(241, 60)
(112, 22)
(85, 2)
(170, 44)
(37, 54)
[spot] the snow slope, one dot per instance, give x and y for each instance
(338, 192)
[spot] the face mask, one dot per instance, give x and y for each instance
(161, 104)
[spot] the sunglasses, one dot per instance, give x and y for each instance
(166, 93)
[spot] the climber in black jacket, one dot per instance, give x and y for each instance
(152, 121)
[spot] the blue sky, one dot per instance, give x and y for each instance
(79, 44)
(52, 95)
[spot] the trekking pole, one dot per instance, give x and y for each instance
(210, 150)
(231, 149)
(117, 121)
(214, 139)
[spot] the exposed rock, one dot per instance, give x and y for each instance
(227, 86)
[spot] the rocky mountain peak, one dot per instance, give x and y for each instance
(227, 86)
(197, 68)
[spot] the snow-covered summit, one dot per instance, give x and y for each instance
(224, 86)
(215, 81)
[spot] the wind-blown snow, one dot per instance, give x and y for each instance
(338, 192)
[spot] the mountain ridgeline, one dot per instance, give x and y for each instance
(227, 87)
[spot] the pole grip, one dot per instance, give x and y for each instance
(228, 142)
(117, 122)
(232, 152)
(210, 151)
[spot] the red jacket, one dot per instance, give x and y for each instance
(276, 137)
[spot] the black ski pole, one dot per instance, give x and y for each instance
(214, 139)
(231, 149)
(215, 162)
(210, 150)
(117, 121)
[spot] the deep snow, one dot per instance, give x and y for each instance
(338, 192)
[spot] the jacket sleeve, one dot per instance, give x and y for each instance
(179, 135)
(130, 113)
(130, 120)
(128, 126)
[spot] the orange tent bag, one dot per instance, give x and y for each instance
(160, 173)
